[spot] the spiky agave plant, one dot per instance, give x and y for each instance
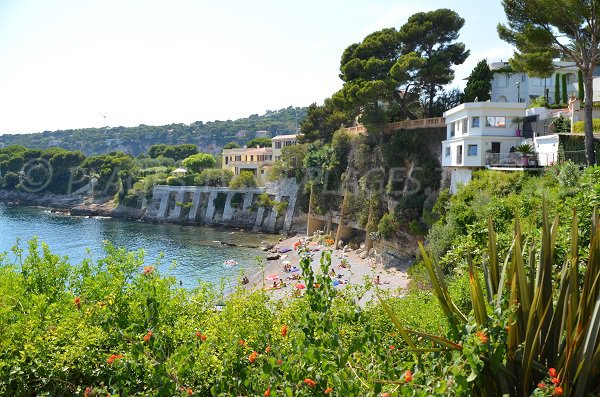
(553, 315)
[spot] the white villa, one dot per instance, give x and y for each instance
(519, 87)
(478, 134)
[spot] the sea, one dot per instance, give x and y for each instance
(192, 254)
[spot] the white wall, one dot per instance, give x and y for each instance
(547, 149)
(459, 176)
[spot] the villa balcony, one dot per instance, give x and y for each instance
(519, 161)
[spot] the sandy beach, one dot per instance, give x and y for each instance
(361, 270)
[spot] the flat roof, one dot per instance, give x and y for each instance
(486, 105)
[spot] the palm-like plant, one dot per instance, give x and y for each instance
(554, 319)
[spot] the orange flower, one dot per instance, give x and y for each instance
(392, 347)
(552, 372)
(386, 394)
(198, 334)
(190, 392)
(408, 375)
(268, 349)
(558, 391)
(268, 391)
(310, 382)
(148, 336)
(203, 337)
(114, 357)
(243, 343)
(279, 362)
(541, 385)
(87, 392)
(556, 381)
(482, 336)
(284, 330)
(252, 357)
(77, 302)
(328, 390)
(148, 270)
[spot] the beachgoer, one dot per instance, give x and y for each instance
(245, 280)
(274, 284)
(377, 280)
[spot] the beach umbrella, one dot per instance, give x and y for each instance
(300, 286)
(272, 277)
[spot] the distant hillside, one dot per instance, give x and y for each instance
(210, 137)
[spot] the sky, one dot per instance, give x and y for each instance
(80, 63)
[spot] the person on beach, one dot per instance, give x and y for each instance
(377, 281)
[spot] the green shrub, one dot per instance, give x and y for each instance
(244, 179)
(388, 225)
(579, 126)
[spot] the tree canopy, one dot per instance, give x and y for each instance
(479, 84)
(177, 152)
(198, 162)
(260, 142)
(387, 73)
(544, 30)
(322, 121)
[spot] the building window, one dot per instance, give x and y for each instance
(459, 154)
(447, 151)
(471, 150)
(502, 81)
(464, 126)
(277, 145)
(475, 122)
(495, 121)
(251, 157)
(262, 172)
(451, 130)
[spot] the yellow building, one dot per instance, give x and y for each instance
(257, 160)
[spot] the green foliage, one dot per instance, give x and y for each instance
(479, 84)
(415, 60)
(579, 126)
(213, 177)
(177, 152)
(198, 162)
(322, 121)
(520, 325)
(562, 125)
(244, 179)
(539, 102)
(231, 145)
(388, 226)
(525, 149)
(260, 142)
(290, 163)
(580, 89)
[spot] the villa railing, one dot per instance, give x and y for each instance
(515, 159)
(407, 124)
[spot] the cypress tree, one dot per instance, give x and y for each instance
(565, 98)
(557, 88)
(580, 91)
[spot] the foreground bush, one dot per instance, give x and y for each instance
(534, 329)
(117, 326)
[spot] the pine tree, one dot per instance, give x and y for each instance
(479, 84)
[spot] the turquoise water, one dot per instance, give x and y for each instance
(192, 248)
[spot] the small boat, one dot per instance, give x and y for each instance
(230, 262)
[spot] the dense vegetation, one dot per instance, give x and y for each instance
(208, 137)
(118, 326)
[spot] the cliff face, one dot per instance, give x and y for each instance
(385, 194)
